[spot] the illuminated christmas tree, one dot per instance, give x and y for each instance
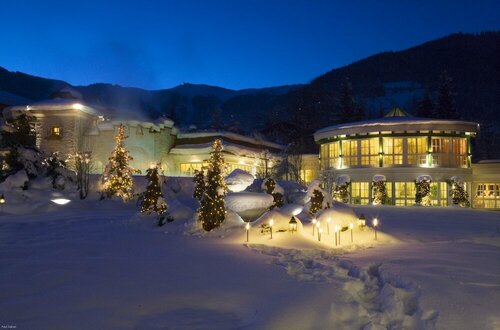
(152, 199)
(458, 194)
(316, 202)
(212, 211)
(199, 184)
(117, 177)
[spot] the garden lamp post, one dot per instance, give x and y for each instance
(292, 225)
(314, 224)
(271, 223)
(375, 224)
(247, 227)
(351, 226)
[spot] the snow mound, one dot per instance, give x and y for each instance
(340, 214)
(342, 179)
(422, 178)
(458, 180)
(239, 180)
(277, 187)
(379, 178)
(15, 181)
(248, 205)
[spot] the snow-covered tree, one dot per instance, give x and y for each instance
(212, 211)
(341, 190)
(270, 186)
(152, 199)
(423, 190)
(117, 177)
(316, 202)
(458, 194)
(54, 166)
(83, 165)
(379, 190)
(199, 184)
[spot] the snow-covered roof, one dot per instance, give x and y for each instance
(206, 148)
(7, 98)
(232, 136)
(156, 125)
(396, 124)
(56, 104)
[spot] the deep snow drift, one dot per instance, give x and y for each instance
(99, 264)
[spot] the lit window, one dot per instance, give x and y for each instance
(393, 151)
(56, 131)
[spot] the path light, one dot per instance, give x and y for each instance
(2, 201)
(60, 201)
(292, 225)
(314, 224)
(320, 230)
(328, 225)
(375, 224)
(247, 227)
(351, 226)
(362, 221)
(335, 229)
(271, 223)
(340, 230)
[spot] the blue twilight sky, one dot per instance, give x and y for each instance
(234, 44)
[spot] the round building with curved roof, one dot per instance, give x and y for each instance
(401, 149)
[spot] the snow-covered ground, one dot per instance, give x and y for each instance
(98, 264)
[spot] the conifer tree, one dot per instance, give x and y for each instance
(316, 202)
(199, 184)
(347, 107)
(152, 201)
(117, 177)
(446, 108)
(212, 211)
(425, 107)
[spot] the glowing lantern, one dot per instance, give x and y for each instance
(292, 225)
(375, 224)
(362, 221)
(2, 199)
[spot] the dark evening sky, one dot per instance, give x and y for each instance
(234, 44)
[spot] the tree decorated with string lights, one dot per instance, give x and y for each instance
(199, 184)
(212, 211)
(316, 202)
(152, 199)
(117, 177)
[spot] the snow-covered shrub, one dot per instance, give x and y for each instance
(341, 190)
(458, 194)
(423, 190)
(248, 205)
(379, 190)
(316, 202)
(271, 187)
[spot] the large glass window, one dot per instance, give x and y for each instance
(187, 169)
(360, 192)
(393, 151)
(350, 153)
(487, 195)
(369, 152)
(417, 150)
(404, 193)
(330, 155)
(459, 152)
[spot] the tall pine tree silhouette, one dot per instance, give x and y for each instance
(425, 107)
(446, 108)
(347, 107)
